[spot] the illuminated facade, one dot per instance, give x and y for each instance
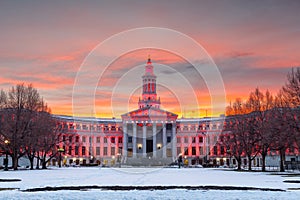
(146, 136)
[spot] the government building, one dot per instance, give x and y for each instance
(147, 136)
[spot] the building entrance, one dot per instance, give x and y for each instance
(149, 147)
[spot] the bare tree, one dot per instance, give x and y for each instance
(20, 121)
(291, 96)
(259, 105)
(281, 127)
(291, 90)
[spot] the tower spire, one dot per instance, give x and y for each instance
(149, 59)
(149, 96)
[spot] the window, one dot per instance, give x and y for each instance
(90, 140)
(97, 151)
(120, 140)
(105, 139)
(78, 126)
(64, 138)
(201, 150)
(77, 139)
(193, 139)
(71, 126)
(233, 161)
(112, 140)
(214, 126)
(178, 140)
(129, 139)
(70, 150)
(84, 127)
(215, 150)
(76, 150)
(186, 151)
(193, 151)
(70, 138)
(129, 152)
(83, 138)
(106, 128)
(201, 139)
(98, 139)
(169, 127)
(186, 140)
(222, 150)
(105, 151)
(168, 139)
(83, 150)
(120, 150)
(112, 151)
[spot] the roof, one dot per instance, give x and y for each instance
(149, 113)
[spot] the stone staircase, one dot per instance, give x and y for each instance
(147, 162)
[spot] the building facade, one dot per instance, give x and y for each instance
(147, 136)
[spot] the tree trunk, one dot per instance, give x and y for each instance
(239, 162)
(31, 162)
(37, 162)
(44, 162)
(263, 156)
(249, 163)
(15, 162)
(282, 159)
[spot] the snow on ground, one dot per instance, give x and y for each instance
(145, 176)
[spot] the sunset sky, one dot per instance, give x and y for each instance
(253, 44)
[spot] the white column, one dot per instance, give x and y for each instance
(144, 140)
(124, 140)
(164, 139)
(174, 154)
(134, 141)
(154, 140)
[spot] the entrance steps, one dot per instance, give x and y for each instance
(148, 162)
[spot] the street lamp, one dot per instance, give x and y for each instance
(229, 153)
(6, 155)
(60, 150)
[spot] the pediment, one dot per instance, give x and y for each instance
(149, 114)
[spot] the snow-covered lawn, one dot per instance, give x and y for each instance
(143, 177)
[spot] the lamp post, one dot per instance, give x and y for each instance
(6, 155)
(60, 150)
(228, 152)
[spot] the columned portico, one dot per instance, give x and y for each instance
(125, 135)
(154, 140)
(134, 140)
(173, 140)
(164, 139)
